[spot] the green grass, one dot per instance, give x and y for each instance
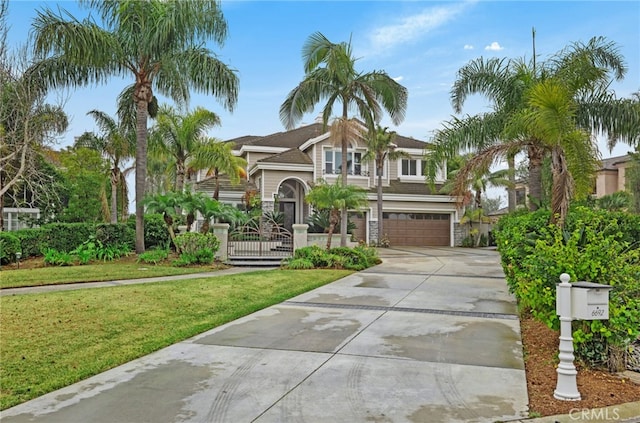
(52, 340)
(109, 271)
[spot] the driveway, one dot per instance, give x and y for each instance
(429, 335)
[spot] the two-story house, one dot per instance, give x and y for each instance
(282, 167)
(611, 177)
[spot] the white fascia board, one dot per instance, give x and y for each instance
(412, 151)
(285, 167)
(420, 198)
(260, 149)
(314, 141)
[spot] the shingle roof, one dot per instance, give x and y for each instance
(409, 188)
(291, 156)
(611, 162)
(209, 184)
(406, 142)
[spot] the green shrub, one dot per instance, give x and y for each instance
(66, 237)
(31, 241)
(595, 246)
(115, 234)
(9, 246)
(196, 248)
(298, 263)
(358, 258)
(155, 230)
(57, 258)
(154, 256)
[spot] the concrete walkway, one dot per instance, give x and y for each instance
(430, 335)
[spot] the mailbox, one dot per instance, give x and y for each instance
(590, 301)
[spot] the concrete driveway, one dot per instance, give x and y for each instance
(429, 335)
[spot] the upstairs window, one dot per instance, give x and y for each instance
(333, 162)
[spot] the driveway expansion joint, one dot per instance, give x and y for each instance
(405, 309)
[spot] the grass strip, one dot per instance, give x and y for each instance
(89, 273)
(52, 340)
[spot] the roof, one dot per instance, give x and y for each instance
(409, 188)
(298, 136)
(612, 162)
(291, 156)
(209, 184)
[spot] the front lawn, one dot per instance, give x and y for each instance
(109, 271)
(53, 340)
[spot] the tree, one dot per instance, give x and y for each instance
(160, 44)
(181, 136)
(330, 75)
(335, 197)
(28, 124)
(117, 144)
(166, 204)
(586, 70)
(217, 157)
(85, 171)
(380, 148)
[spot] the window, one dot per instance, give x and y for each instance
(412, 167)
(333, 162)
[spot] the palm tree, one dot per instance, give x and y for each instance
(159, 44)
(166, 204)
(117, 144)
(217, 157)
(180, 137)
(587, 69)
(330, 75)
(335, 197)
(380, 148)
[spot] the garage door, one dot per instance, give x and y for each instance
(418, 229)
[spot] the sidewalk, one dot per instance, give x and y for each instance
(430, 335)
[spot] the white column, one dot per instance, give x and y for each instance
(221, 231)
(566, 387)
(299, 236)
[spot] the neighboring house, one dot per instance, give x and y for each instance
(611, 177)
(283, 166)
(13, 218)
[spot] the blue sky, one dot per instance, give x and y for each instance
(420, 43)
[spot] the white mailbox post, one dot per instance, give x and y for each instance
(582, 301)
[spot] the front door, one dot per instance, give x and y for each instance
(288, 208)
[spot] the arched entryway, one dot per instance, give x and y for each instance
(290, 202)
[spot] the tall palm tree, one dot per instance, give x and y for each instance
(181, 136)
(587, 69)
(330, 76)
(381, 148)
(335, 197)
(117, 144)
(159, 44)
(217, 157)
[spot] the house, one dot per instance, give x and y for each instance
(611, 177)
(282, 167)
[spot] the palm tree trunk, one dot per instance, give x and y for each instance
(511, 190)
(536, 154)
(562, 187)
(179, 176)
(379, 167)
(343, 148)
(115, 178)
(141, 170)
(333, 219)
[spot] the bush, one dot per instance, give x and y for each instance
(65, 237)
(155, 230)
(595, 246)
(30, 241)
(197, 248)
(116, 234)
(57, 258)
(9, 246)
(154, 256)
(358, 258)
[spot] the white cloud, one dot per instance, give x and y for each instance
(398, 78)
(413, 27)
(468, 47)
(494, 46)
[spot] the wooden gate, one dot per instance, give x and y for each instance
(261, 237)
